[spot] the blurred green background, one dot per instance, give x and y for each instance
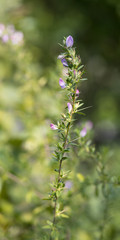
(30, 98)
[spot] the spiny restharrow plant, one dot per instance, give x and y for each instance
(74, 76)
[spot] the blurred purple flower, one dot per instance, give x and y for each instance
(61, 83)
(68, 184)
(83, 132)
(17, 38)
(2, 28)
(10, 29)
(69, 107)
(89, 125)
(77, 92)
(64, 62)
(5, 38)
(69, 41)
(53, 126)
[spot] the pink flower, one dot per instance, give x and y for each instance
(61, 83)
(5, 38)
(53, 126)
(69, 107)
(77, 92)
(83, 132)
(89, 125)
(17, 38)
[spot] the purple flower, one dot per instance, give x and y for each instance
(17, 38)
(61, 83)
(89, 125)
(68, 184)
(53, 126)
(5, 38)
(64, 62)
(77, 92)
(83, 132)
(69, 107)
(69, 41)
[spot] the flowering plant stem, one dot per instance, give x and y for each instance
(74, 76)
(64, 147)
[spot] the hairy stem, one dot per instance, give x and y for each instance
(60, 163)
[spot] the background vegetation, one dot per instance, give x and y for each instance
(30, 98)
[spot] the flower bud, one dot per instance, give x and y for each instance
(69, 41)
(77, 92)
(53, 126)
(69, 107)
(89, 125)
(64, 62)
(83, 132)
(61, 83)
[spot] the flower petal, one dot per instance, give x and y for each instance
(83, 132)
(61, 83)
(69, 107)
(64, 62)
(69, 41)
(53, 126)
(77, 92)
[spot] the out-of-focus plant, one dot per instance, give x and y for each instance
(8, 34)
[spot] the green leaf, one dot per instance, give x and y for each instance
(80, 67)
(74, 144)
(49, 223)
(81, 113)
(64, 158)
(83, 79)
(46, 227)
(64, 215)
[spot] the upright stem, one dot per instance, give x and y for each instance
(60, 163)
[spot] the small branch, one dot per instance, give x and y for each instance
(60, 165)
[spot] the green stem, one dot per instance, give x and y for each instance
(60, 165)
